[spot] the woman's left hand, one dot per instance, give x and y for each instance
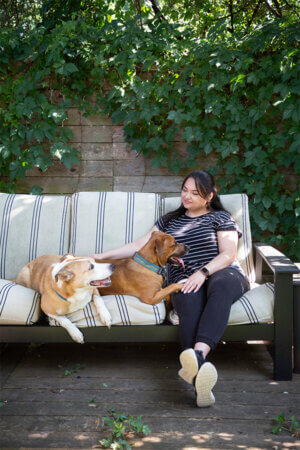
(193, 283)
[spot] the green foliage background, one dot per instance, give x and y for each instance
(229, 82)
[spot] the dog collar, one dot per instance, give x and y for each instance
(149, 265)
(64, 298)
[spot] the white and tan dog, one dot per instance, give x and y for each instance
(66, 284)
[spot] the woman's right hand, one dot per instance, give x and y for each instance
(96, 256)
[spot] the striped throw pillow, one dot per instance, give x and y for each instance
(18, 304)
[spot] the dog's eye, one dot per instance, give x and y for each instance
(91, 266)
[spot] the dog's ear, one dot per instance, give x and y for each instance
(160, 246)
(65, 275)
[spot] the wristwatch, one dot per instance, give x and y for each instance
(205, 271)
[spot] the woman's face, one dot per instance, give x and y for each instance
(191, 199)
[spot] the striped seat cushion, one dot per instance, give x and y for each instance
(255, 306)
(124, 310)
(237, 206)
(18, 304)
(31, 226)
(103, 221)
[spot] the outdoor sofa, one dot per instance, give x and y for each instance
(93, 222)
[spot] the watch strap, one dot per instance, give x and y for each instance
(205, 271)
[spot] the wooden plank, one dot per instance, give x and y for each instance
(130, 166)
(118, 134)
(150, 396)
(96, 169)
(96, 120)
(147, 184)
(177, 440)
(96, 152)
(95, 423)
(266, 387)
(58, 169)
(92, 184)
(122, 150)
(98, 133)
(129, 183)
(50, 185)
(166, 408)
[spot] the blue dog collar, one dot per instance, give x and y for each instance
(149, 265)
(61, 296)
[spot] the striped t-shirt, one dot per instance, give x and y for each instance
(200, 235)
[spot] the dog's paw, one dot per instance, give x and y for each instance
(77, 336)
(105, 317)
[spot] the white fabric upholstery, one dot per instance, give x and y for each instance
(18, 304)
(255, 306)
(237, 206)
(31, 226)
(124, 310)
(106, 220)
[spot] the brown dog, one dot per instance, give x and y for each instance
(132, 278)
(67, 284)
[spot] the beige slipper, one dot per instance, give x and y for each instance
(189, 363)
(204, 383)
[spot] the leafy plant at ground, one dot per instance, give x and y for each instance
(230, 95)
(122, 428)
(77, 368)
(291, 425)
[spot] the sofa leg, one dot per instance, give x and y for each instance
(282, 368)
(283, 339)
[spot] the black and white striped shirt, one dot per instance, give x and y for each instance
(200, 235)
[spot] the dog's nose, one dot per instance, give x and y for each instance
(112, 267)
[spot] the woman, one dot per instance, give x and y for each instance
(212, 278)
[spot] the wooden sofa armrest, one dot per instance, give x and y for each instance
(277, 261)
(283, 269)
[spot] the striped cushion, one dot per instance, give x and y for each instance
(124, 310)
(18, 304)
(255, 306)
(31, 225)
(237, 206)
(106, 220)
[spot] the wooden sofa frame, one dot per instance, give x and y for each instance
(280, 332)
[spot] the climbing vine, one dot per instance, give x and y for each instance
(236, 96)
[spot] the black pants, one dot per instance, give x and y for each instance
(203, 315)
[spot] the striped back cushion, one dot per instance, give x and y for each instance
(31, 226)
(106, 220)
(237, 206)
(18, 304)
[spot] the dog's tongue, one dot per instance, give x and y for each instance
(101, 283)
(180, 261)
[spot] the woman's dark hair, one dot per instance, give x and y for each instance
(205, 185)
